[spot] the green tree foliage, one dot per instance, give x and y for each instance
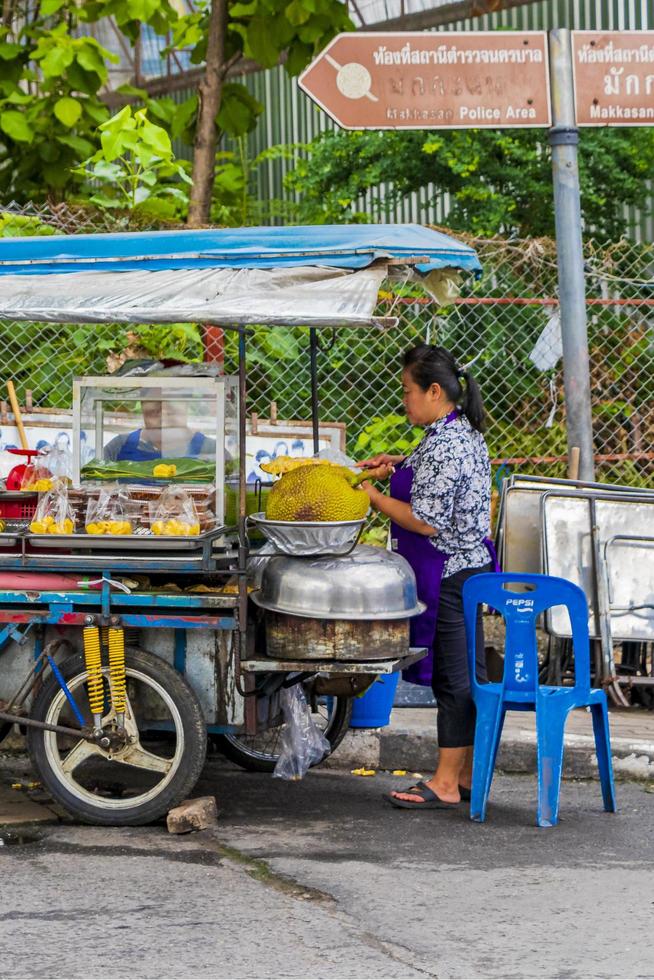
(51, 76)
(499, 181)
(135, 166)
(52, 73)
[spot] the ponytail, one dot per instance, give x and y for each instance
(430, 365)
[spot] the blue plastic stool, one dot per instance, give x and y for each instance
(520, 690)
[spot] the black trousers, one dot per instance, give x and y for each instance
(450, 680)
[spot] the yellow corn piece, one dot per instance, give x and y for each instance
(399, 772)
(38, 527)
(48, 520)
(363, 772)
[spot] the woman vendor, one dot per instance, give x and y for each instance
(439, 506)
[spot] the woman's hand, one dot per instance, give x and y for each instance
(381, 472)
(383, 459)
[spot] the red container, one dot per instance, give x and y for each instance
(15, 478)
(18, 506)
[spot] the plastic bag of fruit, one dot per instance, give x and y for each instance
(174, 514)
(36, 475)
(108, 513)
(54, 515)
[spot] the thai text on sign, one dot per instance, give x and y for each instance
(433, 80)
(614, 78)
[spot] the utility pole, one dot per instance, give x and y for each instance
(564, 137)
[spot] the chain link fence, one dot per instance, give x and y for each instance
(505, 325)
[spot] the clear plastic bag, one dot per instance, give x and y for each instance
(37, 476)
(54, 515)
(302, 743)
(108, 513)
(175, 514)
(59, 459)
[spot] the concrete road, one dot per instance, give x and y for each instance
(324, 879)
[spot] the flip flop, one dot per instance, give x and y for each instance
(430, 800)
(464, 792)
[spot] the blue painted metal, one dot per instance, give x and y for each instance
(342, 246)
(144, 621)
(106, 594)
(141, 599)
(64, 687)
(520, 689)
(179, 655)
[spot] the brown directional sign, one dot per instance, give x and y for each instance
(445, 80)
(614, 77)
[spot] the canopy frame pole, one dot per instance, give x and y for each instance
(315, 401)
(242, 645)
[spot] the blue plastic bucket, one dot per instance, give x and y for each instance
(373, 709)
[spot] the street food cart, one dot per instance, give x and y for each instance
(119, 653)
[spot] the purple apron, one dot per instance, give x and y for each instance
(428, 564)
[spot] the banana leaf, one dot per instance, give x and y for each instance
(188, 470)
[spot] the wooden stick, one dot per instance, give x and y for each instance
(573, 463)
(15, 407)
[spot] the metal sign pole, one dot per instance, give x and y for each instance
(564, 137)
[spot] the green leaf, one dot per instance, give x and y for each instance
(298, 58)
(56, 61)
(82, 147)
(259, 43)
(67, 110)
(14, 124)
(104, 201)
(9, 51)
(238, 110)
(90, 58)
(49, 7)
(296, 13)
(157, 138)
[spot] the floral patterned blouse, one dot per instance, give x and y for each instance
(451, 491)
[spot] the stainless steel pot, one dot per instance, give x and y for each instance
(354, 608)
(368, 584)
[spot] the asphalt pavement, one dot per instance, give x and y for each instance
(323, 878)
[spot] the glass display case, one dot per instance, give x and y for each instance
(157, 430)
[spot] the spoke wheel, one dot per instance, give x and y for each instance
(135, 781)
(259, 753)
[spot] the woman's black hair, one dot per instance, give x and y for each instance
(430, 365)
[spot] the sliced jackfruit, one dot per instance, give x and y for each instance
(286, 464)
(318, 493)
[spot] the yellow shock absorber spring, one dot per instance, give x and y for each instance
(93, 661)
(117, 668)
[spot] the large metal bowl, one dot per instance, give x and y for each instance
(369, 583)
(303, 538)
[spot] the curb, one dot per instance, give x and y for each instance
(415, 750)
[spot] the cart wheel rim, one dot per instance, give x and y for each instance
(53, 755)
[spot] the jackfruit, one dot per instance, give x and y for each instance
(286, 464)
(318, 493)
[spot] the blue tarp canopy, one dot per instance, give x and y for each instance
(342, 246)
(325, 275)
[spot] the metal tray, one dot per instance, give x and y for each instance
(8, 539)
(125, 542)
(625, 531)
